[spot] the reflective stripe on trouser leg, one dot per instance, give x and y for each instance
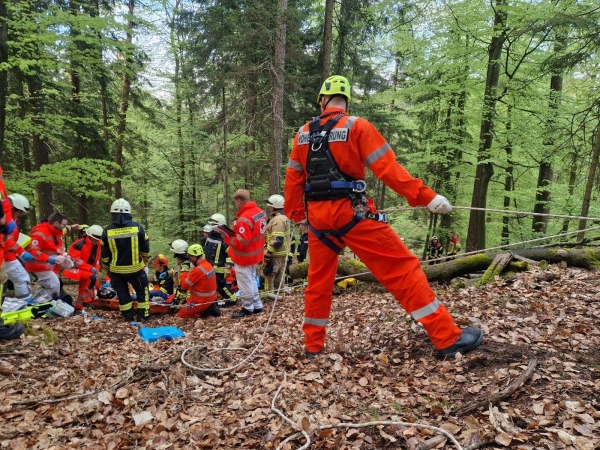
(222, 287)
(317, 303)
(119, 284)
(246, 281)
(139, 281)
(19, 277)
(380, 248)
(273, 281)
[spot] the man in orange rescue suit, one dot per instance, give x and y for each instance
(201, 283)
(85, 253)
(125, 252)
(246, 250)
(327, 169)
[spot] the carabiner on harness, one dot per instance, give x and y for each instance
(360, 187)
(318, 138)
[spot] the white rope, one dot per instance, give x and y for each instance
(504, 211)
(262, 338)
(514, 244)
(350, 425)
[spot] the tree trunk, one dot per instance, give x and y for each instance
(585, 258)
(341, 36)
(76, 109)
(485, 169)
(572, 180)
(509, 186)
(278, 83)
(327, 40)
(40, 147)
(587, 196)
(546, 171)
(3, 73)
(225, 161)
(128, 67)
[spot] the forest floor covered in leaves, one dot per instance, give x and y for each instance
(101, 387)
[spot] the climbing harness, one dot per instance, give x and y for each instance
(325, 181)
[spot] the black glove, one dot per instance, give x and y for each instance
(268, 267)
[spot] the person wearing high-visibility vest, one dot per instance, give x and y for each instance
(125, 253)
(277, 240)
(215, 252)
(181, 267)
(326, 170)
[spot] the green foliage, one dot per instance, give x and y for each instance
(200, 113)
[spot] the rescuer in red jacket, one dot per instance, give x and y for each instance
(14, 268)
(201, 283)
(326, 169)
(246, 249)
(85, 253)
(48, 252)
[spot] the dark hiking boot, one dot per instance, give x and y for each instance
(470, 339)
(258, 311)
(128, 315)
(242, 313)
(142, 317)
(311, 355)
(9, 332)
(212, 311)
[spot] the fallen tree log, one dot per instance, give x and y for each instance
(585, 258)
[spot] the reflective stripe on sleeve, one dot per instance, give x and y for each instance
(426, 310)
(295, 165)
(237, 252)
(204, 294)
(375, 155)
(350, 121)
(317, 322)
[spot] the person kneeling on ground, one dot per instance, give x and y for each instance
(201, 283)
(163, 281)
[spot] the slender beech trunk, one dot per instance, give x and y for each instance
(76, 108)
(327, 40)
(128, 68)
(25, 139)
(40, 147)
(225, 156)
(278, 83)
(485, 168)
(250, 129)
(572, 180)
(546, 171)
(341, 35)
(508, 178)
(193, 168)
(587, 196)
(3, 73)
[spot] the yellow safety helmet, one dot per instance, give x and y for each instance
(335, 85)
(195, 250)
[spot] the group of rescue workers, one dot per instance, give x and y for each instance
(324, 196)
(435, 249)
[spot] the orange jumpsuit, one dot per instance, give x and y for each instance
(201, 283)
(86, 255)
(358, 145)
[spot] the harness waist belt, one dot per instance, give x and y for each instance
(321, 185)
